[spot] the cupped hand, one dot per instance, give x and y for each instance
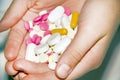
(20, 11)
(97, 24)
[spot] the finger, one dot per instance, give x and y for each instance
(21, 75)
(43, 76)
(92, 59)
(30, 67)
(15, 39)
(14, 14)
(9, 68)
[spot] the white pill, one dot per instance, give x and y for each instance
(54, 39)
(36, 28)
(70, 17)
(55, 57)
(58, 23)
(30, 23)
(42, 12)
(30, 54)
(49, 51)
(62, 45)
(52, 65)
(52, 26)
(56, 14)
(42, 48)
(39, 33)
(71, 32)
(65, 21)
(43, 58)
(44, 39)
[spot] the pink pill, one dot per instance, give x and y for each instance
(47, 32)
(37, 19)
(67, 11)
(34, 38)
(27, 26)
(44, 17)
(30, 30)
(44, 26)
(28, 41)
(37, 42)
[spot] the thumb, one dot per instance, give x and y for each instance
(13, 14)
(74, 53)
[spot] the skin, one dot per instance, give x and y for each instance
(97, 24)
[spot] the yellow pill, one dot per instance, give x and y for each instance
(61, 31)
(74, 20)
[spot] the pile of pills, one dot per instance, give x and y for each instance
(50, 34)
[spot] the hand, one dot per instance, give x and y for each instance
(88, 48)
(15, 18)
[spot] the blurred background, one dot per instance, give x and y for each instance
(109, 70)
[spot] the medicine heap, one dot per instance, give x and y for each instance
(50, 34)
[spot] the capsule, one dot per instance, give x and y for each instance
(61, 31)
(74, 20)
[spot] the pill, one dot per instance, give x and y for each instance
(31, 23)
(62, 45)
(48, 32)
(36, 28)
(43, 58)
(35, 36)
(50, 59)
(42, 48)
(67, 11)
(44, 17)
(44, 39)
(70, 17)
(44, 26)
(33, 32)
(52, 65)
(54, 39)
(55, 57)
(74, 20)
(28, 41)
(27, 26)
(37, 19)
(30, 55)
(71, 33)
(52, 26)
(61, 31)
(58, 23)
(65, 22)
(42, 12)
(56, 14)
(38, 40)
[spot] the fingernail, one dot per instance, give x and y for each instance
(63, 71)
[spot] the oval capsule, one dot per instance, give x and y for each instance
(61, 31)
(74, 20)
